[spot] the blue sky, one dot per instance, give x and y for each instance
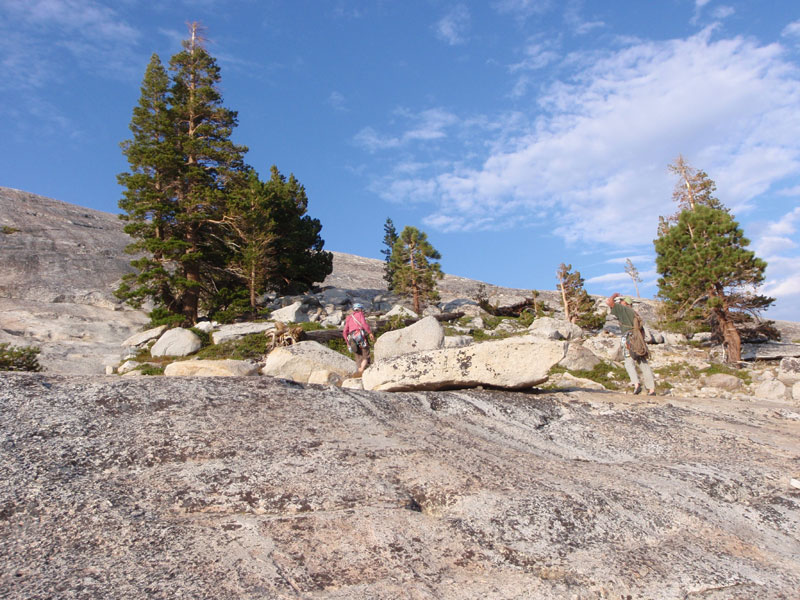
(518, 134)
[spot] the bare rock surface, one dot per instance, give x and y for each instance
(59, 264)
(259, 488)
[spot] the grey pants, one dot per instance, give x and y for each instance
(644, 366)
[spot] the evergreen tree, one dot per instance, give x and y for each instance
(182, 163)
(633, 273)
(389, 239)
(295, 259)
(414, 274)
(707, 272)
(578, 305)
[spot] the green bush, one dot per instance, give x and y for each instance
(7, 229)
(16, 358)
(250, 346)
(608, 375)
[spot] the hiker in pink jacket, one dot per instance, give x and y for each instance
(358, 335)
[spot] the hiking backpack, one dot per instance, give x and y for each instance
(634, 341)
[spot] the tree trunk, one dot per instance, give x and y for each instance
(730, 336)
(564, 299)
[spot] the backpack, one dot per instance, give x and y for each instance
(356, 339)
(634, 341)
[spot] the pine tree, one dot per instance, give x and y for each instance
(633, 273)
(414, 274)
(578, 305)
(389, 239)
(707, 272)
(182, 161)
(295, 259)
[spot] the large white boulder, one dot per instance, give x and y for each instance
(513, 363)
(425, 334)
(211, 368)
(554, 329)
(579, 358)
(138, 339)
(300, 360)
(771, 389)
(176, 342)
(294, 313)
(789, 371)
(238, 330)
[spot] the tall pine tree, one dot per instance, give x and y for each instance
(182, 162)
(389, 239)
(707, 272)
(415, 276)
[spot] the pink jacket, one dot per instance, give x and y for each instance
(355, 322)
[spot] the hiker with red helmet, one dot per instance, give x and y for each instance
(358, 335)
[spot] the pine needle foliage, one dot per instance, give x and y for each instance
(708, 276)
(414, 273)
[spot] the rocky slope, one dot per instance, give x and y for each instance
(258, 488)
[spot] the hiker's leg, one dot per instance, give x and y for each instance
(630, 367)
(647, 375)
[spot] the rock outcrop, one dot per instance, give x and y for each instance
(258, 488)
(513, 363)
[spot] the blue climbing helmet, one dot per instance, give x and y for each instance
(358, 306)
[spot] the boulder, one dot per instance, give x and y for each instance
(333, 319)
(579, 358)
(569, 382)
(554, 329)
(336, 296)
(770, 351)
(606, 347)
(457, 341)
(211, 368)
(294, 313)
(513, 363)
(300, 360)
(238, 330)
(673, 339)
(352, 383)
(723, 381)
(401, 311)
(425, 334)
(796, 392)
(325, 377)
(176, 342)
(204, 326)
(127, 367)
(139, 339)
(771, 389)
(789, 371)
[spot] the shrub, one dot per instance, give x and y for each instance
(15, 358)
(7, 229)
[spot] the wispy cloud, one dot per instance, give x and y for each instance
(46, 35)
(591, 154)
(454, 26)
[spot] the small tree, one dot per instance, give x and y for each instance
(578, 305)
(707, 272)
(633, 273)
(389, 239)
(18, 358)
(413, 273)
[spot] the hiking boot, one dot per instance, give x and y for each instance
(651, 393)
(637, 389)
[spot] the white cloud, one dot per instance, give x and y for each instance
(428, 125)
(596, 155)
(453, 27)
(792, 29)
(522, 8)
(40, 39)
(337, 101)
